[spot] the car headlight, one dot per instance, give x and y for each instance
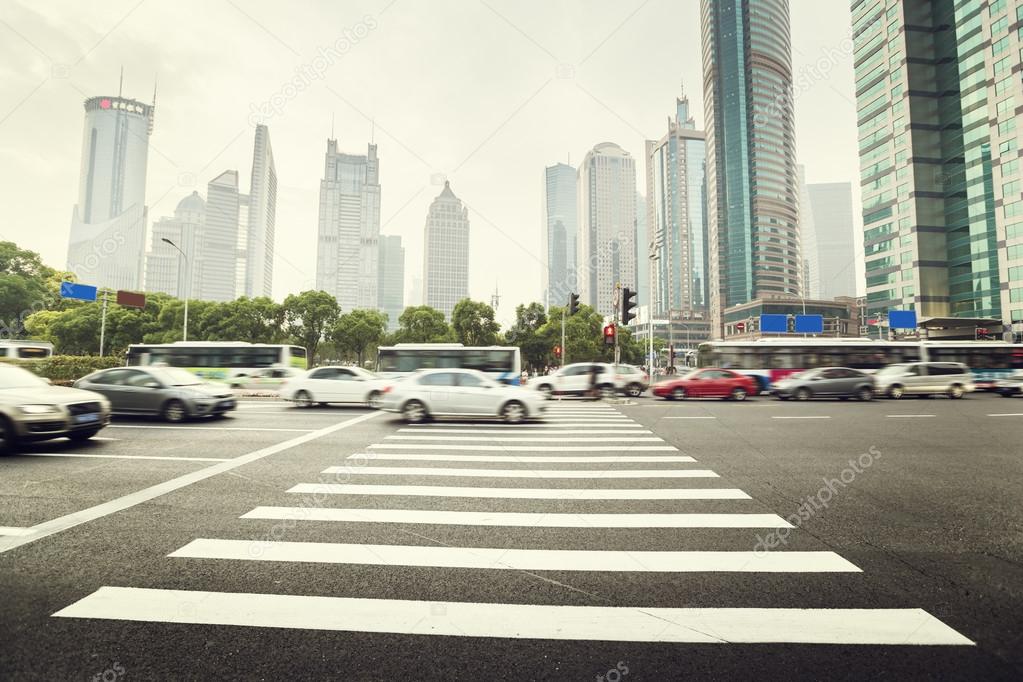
(38, 409)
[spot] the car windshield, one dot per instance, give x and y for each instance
(175, 376)
(16, 377)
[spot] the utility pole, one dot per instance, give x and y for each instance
(188, 284)
(103, 322)
(617, 301)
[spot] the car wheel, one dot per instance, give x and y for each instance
(1006, 394)
(865, 393)
(739, 393)
(8, 438)
(304, 399)
(82, 436)
(513, 412)
(373, 399)
(606, 391)
(896, 392)
(174, 411)
(634, 390)
(955, 392)
(414, 412)
(547, 390)
(678, 394)
(801, 393)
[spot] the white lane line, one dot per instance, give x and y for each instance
(518, 621)
(521, 473)
(436, 426)
(545, 439)
(529, 448)
(1007, 414)
(63, 523)
(908, 416)
(523, 493)
(204, 428)
(517, 559)
(515, 519)
(13, 530)
(159, 457)
(512, 430)
(262, 404)
(528, 459)
(805, 416)
(700, 417)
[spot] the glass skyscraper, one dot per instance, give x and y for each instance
(751, 166)
(446, 252)
(937, 91)
(559, 233)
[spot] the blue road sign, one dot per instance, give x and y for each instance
(82, 292)
(809, 324)
(902, 319)
(775, 324)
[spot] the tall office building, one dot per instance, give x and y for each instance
(938, 90)
(642, 246)
(676, 210)
(108, 224)
(446, 252)
(607, 225)
(347, 254)
(560, 232)
(810, 267)
(831, 206)
(753, 225)
(166, 270)
(218, 259)
(262, 203)
(392, 279)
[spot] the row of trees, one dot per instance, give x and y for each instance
(31, 307)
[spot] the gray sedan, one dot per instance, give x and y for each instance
(825, 382)
(170, 392)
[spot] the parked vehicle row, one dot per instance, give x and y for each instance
(894, 381)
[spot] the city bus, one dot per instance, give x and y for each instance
(768, 360)
(218, 360)
(501, 363)
(25, 350)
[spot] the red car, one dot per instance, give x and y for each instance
(709, 382)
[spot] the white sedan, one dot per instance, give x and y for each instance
(334, 385)
(461, 393)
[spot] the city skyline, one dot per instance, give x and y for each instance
(498, 181)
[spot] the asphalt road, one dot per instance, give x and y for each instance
(653, 540)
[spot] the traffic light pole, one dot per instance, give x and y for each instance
(103, 322)
(618, 297)
(564, 348)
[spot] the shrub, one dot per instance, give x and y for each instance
(64, 369)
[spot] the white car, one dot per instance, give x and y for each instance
(270, 378)
(462, 393)
(574, 379)
(334, 385)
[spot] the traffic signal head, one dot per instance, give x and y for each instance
(557, 351)
(628, 303)
(609, 334)
(573, 304)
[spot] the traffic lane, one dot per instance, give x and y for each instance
(932, 513)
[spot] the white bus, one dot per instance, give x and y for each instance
(218, 360)
(501, 363)
(768, 360)
(25, 350)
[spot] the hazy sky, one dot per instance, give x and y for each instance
(484, 93)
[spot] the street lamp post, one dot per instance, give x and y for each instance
(188, 285)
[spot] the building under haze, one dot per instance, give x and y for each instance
(752, 205)
(831, 208)
(348, 251)
(446, 252)
(166, 271)
(262, 203)
(810, 266)
(938, 91)
(107, 243)
(219, 248)
(560, 232)
(607, 225)
(391, 289)
(676, 213)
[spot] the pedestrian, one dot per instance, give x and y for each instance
(594, 373)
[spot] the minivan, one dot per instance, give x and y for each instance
(953, 379)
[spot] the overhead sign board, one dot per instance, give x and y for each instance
(809, 324)
(774, 324)
(131, 299)
(82, 292)
(902, 319)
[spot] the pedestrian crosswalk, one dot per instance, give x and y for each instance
(553, 472)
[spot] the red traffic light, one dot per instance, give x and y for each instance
(609, 333)
(557, 351)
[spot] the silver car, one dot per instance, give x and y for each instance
(169, 392)
(953, 379)
(460, 392)
(31, 409)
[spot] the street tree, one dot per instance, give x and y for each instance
(422, 324)
(308, 316)
(529, 319)
(358, 331)
(474, 324)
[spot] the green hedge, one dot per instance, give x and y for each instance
(63, 369)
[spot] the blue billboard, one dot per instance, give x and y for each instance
(902, 319)
(774, 324)
(809, 324)
(83, 292)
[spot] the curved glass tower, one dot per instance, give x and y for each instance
(751, 161)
